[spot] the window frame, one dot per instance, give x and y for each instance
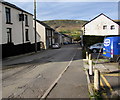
(112, 27)
(26, 20)
(27, 35)
(104, 27)
(9, 35)
(8, 15)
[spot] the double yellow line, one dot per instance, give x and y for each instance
(118, 74)
(107, 83)
(104, 94)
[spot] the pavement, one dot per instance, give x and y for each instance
(32, 75)
(109, 78)
(75, 74)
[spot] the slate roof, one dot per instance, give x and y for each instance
(105, 16)
(46, 26)
(66, 35)
(118, 22)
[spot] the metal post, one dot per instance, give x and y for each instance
(90, 56)
(90, 67)
(35, 25)
(87, 55)
(82, 39)
(97, 80)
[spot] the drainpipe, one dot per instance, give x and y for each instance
(23, 34)
(51, 38)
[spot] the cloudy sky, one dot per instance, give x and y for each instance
(51, 10)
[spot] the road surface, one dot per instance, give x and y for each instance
(32, 76)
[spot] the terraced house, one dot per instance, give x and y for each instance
(102, 26)
(58, 38)
(16, 28)
(47, 35)
(98, 28)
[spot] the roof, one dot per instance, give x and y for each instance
(105, 16)
(118, 22)
(14, 6)
(57, 33)
(46, 26)
(66, 35)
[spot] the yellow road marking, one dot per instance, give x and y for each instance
(111, 74)
(104, 94)
(101, 84)
(107, 83)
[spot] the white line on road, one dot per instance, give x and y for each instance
(55, 82)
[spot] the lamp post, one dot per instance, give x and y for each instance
(35, 25)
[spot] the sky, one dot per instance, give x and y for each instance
(71, 10)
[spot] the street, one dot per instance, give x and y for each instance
(54, 73)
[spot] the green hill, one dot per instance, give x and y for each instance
(70, 27)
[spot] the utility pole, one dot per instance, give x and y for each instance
(35, 25)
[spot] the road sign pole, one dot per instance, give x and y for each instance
(90, 67)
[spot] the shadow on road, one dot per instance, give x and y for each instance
(63, 54)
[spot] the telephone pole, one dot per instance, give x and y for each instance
(35, 25)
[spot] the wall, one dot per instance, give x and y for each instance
(61, 39)
(18, 46)
(41, 32)
(95, 27)
(17, 36)
(0, 23)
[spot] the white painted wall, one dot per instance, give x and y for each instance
(95, 27)
(41, 31)
(53, 40)
(0, 23)
(0, 48)
(61, 40)
(16, 26)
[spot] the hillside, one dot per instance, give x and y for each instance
(70, 27)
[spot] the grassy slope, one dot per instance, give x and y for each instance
(69, 27)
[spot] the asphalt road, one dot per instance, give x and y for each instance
(31, 76)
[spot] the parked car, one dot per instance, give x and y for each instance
(65, 43)
(96, 47)
(56, 46)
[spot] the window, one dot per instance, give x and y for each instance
(21, 17)
(26, 35)
(105, 27)
(112, 27)
(9, 35)
(8, 15)
(26, 20)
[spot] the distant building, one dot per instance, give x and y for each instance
(67, 39)
(16, 28)
(102, 26)
(58, 38)
(46, 33)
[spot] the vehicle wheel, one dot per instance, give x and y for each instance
(94, 51)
